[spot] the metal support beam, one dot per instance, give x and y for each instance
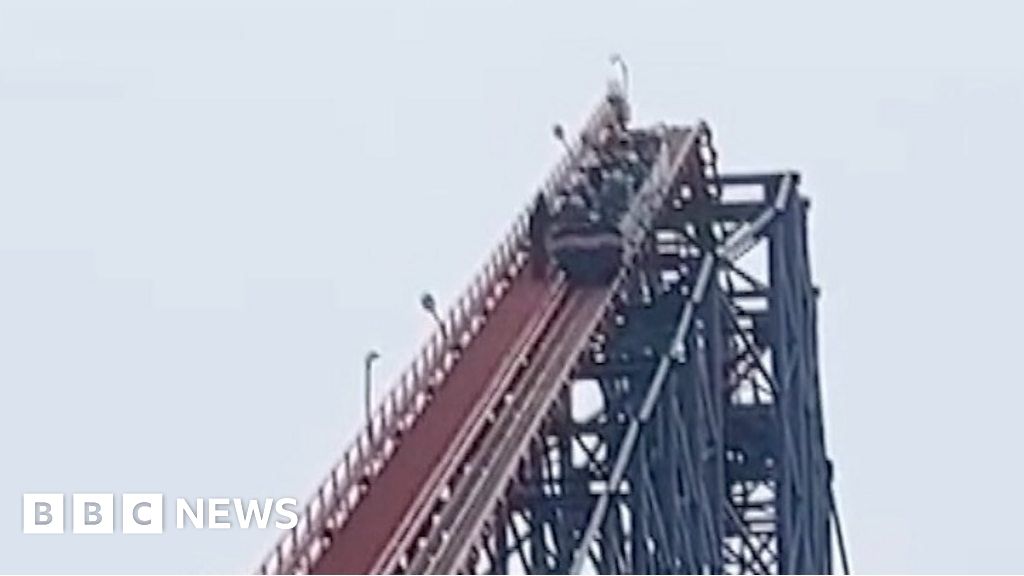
(691, 439)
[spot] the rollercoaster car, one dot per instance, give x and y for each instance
(583, 236)
(585, 245)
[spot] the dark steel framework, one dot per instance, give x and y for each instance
(690, 438)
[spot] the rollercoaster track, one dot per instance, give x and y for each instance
(499, 453)
(435, 472)
(338, 498)
(432, 484)
(411, 481)
(448, 537)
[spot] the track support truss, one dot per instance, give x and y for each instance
(690, 437)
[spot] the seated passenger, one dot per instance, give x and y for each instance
(540, 218)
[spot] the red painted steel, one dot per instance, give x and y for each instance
(501, 309)
(536, 388)
(419, 463)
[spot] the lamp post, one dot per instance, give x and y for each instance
(428, 304)
(616, 60)
(371, 357)
(559, 133)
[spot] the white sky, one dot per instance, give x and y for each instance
(210, 210)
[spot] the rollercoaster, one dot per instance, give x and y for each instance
(629, 385)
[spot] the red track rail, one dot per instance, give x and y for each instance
(385, 496)
(405, 490)
(497, 454)
(455, 525)
(494, 315)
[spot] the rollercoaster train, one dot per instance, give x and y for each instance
(583, 233)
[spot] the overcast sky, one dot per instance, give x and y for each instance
(210, 210)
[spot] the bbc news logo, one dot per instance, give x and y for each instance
(144, 513)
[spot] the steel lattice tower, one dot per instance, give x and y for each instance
(668, 422)
(730, 482)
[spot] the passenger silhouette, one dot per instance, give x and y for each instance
(540, 218)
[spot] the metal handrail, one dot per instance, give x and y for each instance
(510, 365)
(299, 549)
(675, 147)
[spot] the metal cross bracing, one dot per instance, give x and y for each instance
(668, 422)
(689, 439)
